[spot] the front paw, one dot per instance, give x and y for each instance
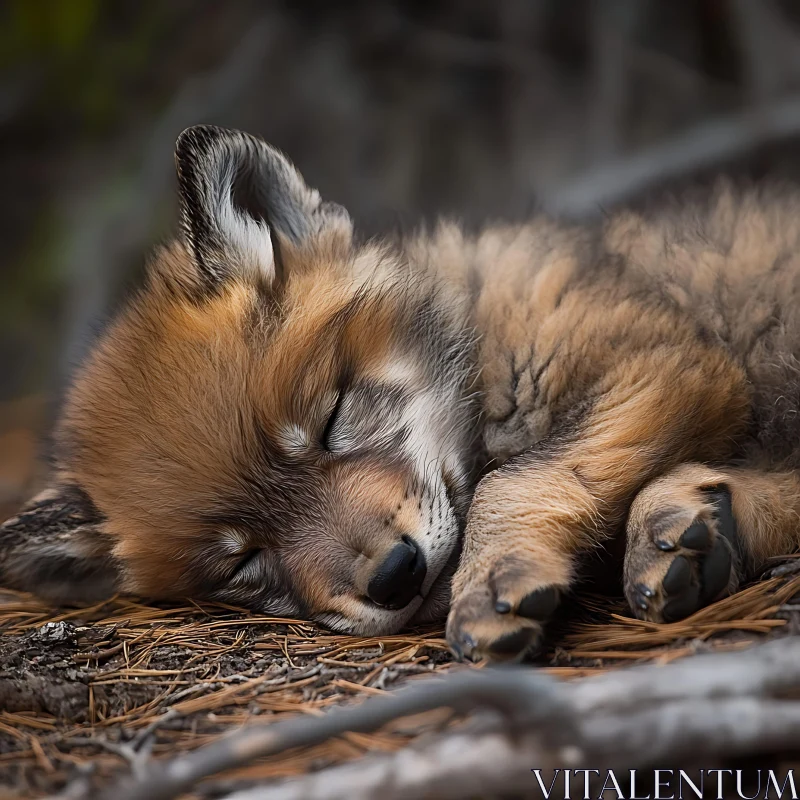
(680, 558)
(500, 615)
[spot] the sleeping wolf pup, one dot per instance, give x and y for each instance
(369, 433)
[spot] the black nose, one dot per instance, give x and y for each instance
(398, 579)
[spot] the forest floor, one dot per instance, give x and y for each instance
(88, 694)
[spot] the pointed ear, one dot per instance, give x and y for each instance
(238, 196)
(55, 548)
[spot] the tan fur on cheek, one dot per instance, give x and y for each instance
(149, 432)
(375, 493)
(370, 510)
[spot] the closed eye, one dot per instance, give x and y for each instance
(245, 561)
(330, 424)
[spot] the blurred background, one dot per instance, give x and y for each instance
(398, 110)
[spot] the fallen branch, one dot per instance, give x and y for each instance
(457, 766)
(691, 730)
(706, 705)
(492, 764)
(522, 696)
(768, 670)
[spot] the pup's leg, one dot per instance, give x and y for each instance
(532, 519)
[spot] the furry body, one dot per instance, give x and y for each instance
(638, 375)
(281, 406)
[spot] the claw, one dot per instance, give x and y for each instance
(661, 544)
(463, 647)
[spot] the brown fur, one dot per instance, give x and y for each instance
(622, 372)
(202, 384)
(652, 342)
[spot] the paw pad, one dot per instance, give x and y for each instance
(696, 537)
(513, 643)
(539, 604)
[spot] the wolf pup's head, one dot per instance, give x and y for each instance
(280, 419)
